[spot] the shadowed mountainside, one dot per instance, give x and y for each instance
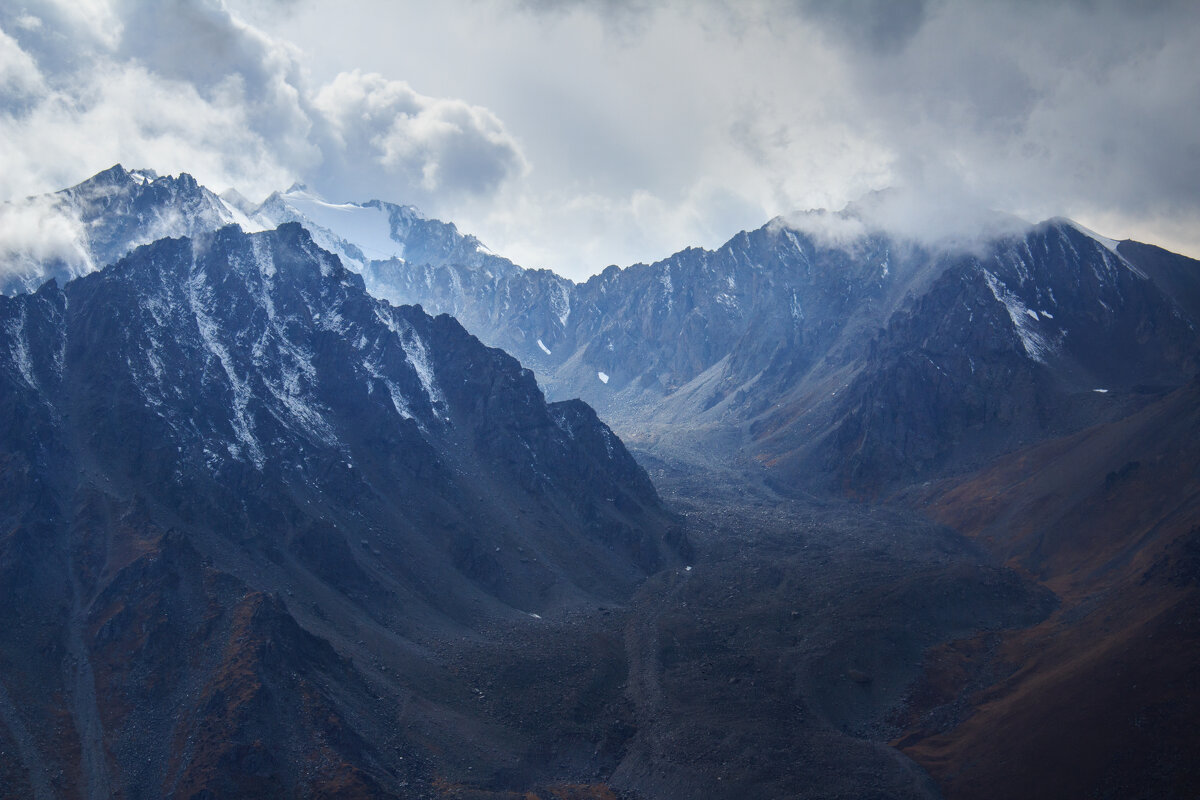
(240, 495)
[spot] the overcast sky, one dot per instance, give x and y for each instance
(572, 135)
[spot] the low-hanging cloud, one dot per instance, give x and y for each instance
(1086, 108)
(39, 230)
(189, 86)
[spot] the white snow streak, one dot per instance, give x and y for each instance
(417, 355)
(1110, 244)
(560, 304)
(199, 299)
(237, 216)
(20, 349)
(1036, 346)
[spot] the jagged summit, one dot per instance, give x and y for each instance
(377, 231)
(93, 224)
(118, 174)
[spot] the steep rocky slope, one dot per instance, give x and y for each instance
(1048, 333)
(266, 535)
(242, 499)
(854, 362)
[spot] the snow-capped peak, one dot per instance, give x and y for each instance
(1110, 244)
(336, 226)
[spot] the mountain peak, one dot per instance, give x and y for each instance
(119, 175)
(238, 200)
(94, 223)
(1064, 222)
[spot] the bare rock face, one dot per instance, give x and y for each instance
(241, 495)
(266, 535)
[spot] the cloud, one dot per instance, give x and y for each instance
(189, 86)
(431, 147)
(1080, 108)
(884, 26)
(828, 229)
(1086, 108)
(20, 78)
(126, 114)
(588, 132)
(38, 230)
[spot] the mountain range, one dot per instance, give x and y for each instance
(919, 498)
(803, 347)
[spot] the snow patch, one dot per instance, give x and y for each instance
(399, 402)
(1100, 391)
(560, 304)
(418, 356)
(366, 227)
(200, 298)
(797, 310)
(231, 213)
(542, 345)
(1036, 345)
(20, 349)
(603, 376)
(1110, 244)
(1105, 242)
(791, 237)
(416, 353)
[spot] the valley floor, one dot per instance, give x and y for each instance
(778, 664)
(823, 649)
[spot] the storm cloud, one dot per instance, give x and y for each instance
(576, 134)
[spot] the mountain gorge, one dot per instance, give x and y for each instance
(874, 517)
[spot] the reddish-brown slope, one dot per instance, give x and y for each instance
(1100, 700)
